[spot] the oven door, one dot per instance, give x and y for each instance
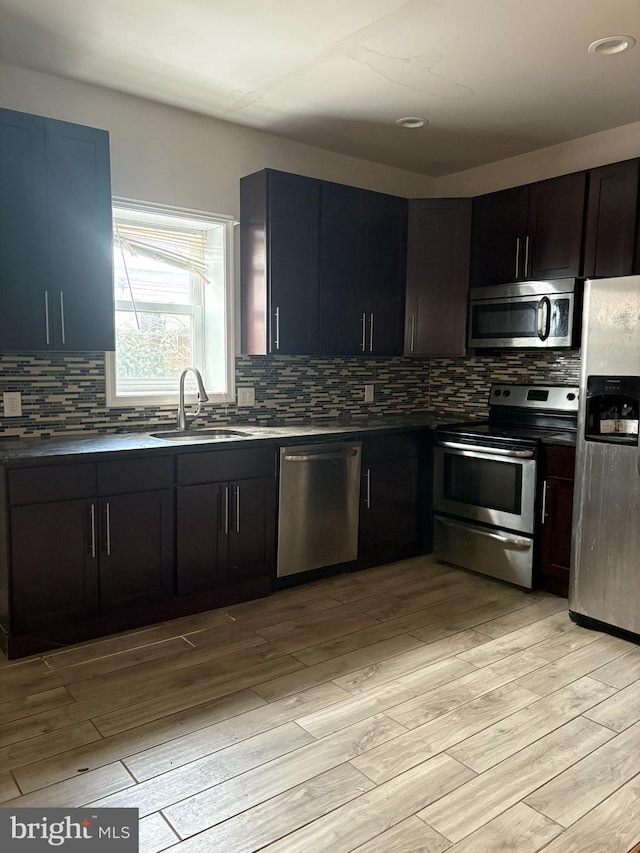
(522, 321)
(494, 486)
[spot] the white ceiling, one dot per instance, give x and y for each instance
(495, 78)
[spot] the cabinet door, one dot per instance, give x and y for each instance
(137, 546)
(382, 253)
(342, 314)
(24, 234)
(202, 516)
(389, 508)
(437, 276)
(279, 263)
(294, 263)
(555, 545)
(80, 234)
(54, 578)
(613, 223)
(498, 237)
(556, 217)
(251, 529)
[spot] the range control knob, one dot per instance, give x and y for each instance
(497, 392)
(507, 393)
(571, 396)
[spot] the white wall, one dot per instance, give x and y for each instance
(171, 156)
(609, 146)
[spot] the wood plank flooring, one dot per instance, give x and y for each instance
(412, 708)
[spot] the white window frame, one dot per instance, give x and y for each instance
(146, 212)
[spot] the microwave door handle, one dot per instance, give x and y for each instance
(544, 318)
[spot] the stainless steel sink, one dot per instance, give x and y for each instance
(197, 434)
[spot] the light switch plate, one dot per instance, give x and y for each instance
(368, 393)
(246, 396)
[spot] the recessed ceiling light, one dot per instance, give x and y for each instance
(412, 122)
(611, 44)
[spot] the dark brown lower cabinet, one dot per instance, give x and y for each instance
(555, 540)
(391, 508)
(56, 577)
(225, 534)
(226, 526)
(84, 567)
(136, 549)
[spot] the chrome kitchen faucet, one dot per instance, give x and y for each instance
(183, 419)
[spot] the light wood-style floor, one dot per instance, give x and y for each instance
(410, 708)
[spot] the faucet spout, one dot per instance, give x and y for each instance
(183, 419)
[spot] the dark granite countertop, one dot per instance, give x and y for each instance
(27, 451)
(567, 439)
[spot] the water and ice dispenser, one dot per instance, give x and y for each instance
(612, 409)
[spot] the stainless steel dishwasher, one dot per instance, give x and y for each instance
(318, 506)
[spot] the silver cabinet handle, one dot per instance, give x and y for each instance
(46, 316)
(526, 257)
(93, 530)
(226, 509)
(107, 514)
(64, 337)
(371, 335)
(494, 451)
(517, 256)
(412, 338)
(544, 501)
(277, 340)
(368, 495)
(237, 509)
(363, 345)
(516, 542)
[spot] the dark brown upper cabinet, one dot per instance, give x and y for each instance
(322, 267)
(612, 237)
(529, 233)
(279, 263)
(363, 244)
(56, 281)
(437, 276)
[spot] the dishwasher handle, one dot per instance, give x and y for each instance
(320, 457)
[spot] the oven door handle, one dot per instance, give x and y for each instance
(494, 451)
(516, 542)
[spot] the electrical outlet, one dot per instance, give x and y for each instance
(246, 396)
(12, 401)
(368, 393)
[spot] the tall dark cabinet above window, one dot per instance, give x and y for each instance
(529, 233)
(56, 277)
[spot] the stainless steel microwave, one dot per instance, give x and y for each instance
(529, 314)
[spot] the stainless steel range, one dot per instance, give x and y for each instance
(487, 480)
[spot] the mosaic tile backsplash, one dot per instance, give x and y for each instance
(64, 393)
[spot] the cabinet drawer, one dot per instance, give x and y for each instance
(390, 447)
(135, 475)
(51, 483)
(218, 465)
(560, 461)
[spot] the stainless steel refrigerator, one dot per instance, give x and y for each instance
(604, 589)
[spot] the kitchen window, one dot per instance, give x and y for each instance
(173, 304)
